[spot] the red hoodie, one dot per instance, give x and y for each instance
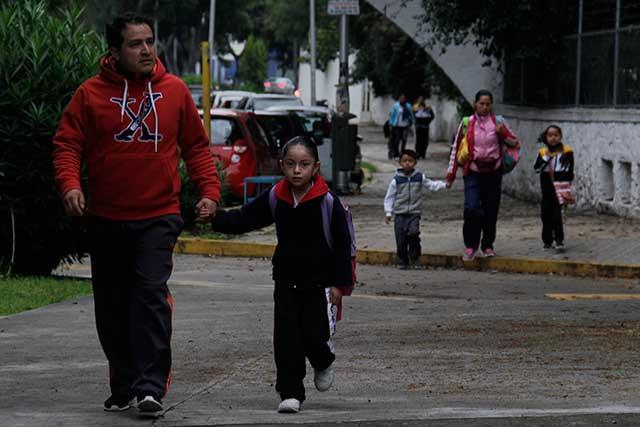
(132, 149)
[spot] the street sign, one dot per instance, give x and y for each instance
(343, 7)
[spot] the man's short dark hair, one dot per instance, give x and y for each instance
(409, 153)
(113, 31)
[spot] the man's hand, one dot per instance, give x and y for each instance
(387, 219)
(73, 202)
(206, 209)
(336, 295)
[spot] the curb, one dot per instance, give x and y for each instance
(196, 246)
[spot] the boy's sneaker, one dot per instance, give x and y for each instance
(149, 405)
(118, 403)
(468, 254)
(289, 406)
(324, 379)
(489, 252)
(549, 246)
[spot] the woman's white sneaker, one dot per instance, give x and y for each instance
(289, 406)
(324, 379)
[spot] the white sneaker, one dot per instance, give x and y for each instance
(324, 379)
(149, 406)
(289, 406)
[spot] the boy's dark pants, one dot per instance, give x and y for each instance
(422, 141)
(482, 193)
(131, 262)
(551, 215)
(407, 229)
(301, 329)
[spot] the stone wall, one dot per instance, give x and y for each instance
(607, 154)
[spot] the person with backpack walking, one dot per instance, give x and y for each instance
(555, 165)
(481, 146)
(403, 201)
(313, 267)
(400, 119)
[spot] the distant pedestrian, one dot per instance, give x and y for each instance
(403, 202)
(312, 267)
(479, 147)
(131, 124)
(424, 116)
(400, 119)
(555, 163)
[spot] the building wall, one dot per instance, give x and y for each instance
(607, 155)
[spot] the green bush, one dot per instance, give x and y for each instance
(252, 69)
(45, 56)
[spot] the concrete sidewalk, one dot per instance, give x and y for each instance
(596, 244)
(445, 348)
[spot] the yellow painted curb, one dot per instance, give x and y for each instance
(593, 297)
(187, 245)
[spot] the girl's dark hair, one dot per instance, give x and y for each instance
(305, 142)
(543, 136)
(113, 31)
(484, 92)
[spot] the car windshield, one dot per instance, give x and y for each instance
(264, 103)
(224, 131)
(309, 120)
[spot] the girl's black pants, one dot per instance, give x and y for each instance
(551, 214)
(303, 325)
(131, 262)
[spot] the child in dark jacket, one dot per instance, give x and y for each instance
(554, 163)
(310, 273)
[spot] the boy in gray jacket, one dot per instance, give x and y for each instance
(404, 201)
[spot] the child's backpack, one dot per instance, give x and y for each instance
(327, 215)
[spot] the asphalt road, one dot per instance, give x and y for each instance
(418, 347)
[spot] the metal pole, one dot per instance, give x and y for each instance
(312, 44)
(206, 102)
(212, 28)
(579, 52)
(616, 54)
(342, 95)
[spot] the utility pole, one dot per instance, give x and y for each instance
(312, 43)
(342, 93)
(212, 28)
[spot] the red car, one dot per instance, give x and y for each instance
(241, 146)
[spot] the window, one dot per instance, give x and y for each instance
(599, 64)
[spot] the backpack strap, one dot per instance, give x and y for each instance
(327, 214)
(272, 202)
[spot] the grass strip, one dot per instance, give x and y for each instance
(23, 293)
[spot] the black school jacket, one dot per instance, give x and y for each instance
(302, 256)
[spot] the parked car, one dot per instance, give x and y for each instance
(282, 85)
(280, 126)
(317, 123)
(228, 98)
(242, 148)
(263, 101)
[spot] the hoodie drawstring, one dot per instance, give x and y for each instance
(124, 99)
(155, 115)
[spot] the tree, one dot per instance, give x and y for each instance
(45, 57)
(522, 29)
(393, 62)
(253, 64)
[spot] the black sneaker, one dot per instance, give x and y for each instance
(149, 406)
(118, 403)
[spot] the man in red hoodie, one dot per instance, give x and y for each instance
(130, 124)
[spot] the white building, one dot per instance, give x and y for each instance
(594, 100)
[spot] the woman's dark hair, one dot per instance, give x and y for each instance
(305, 142)
(543, 136)
(113, 31)
(483, 92)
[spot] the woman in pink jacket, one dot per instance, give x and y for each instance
(486, 135)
